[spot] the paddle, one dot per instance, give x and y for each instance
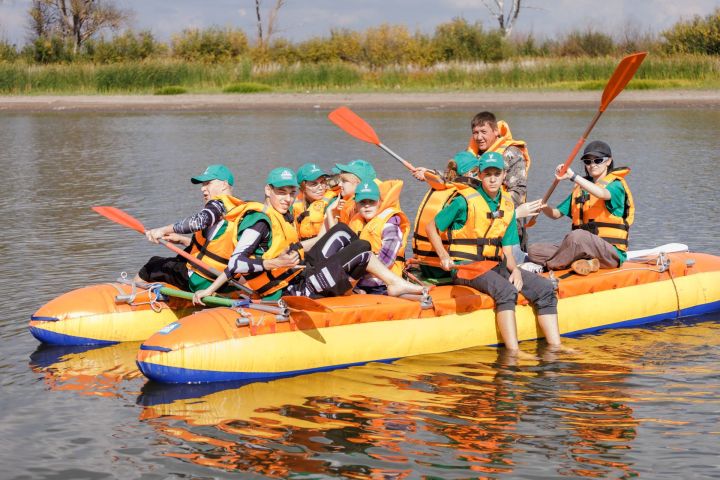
(355, 126)
(213, 301)
(466, 271)
(123, 218)
(623, 73)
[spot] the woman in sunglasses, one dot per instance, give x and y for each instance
(601, 208)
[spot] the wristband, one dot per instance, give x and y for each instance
(573, 177)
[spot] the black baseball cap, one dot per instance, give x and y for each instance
(597, 149)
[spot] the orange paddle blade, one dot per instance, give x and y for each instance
(353, 125)
(468, 271)
(623, 73)
(121, 217)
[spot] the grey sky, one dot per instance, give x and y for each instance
(302, 19)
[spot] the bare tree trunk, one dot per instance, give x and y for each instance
(259, 23)
(272, 19)
(506, 22)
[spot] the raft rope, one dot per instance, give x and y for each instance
(155, 298)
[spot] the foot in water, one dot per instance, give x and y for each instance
(585, 266)
(520, 355)
(401, 287)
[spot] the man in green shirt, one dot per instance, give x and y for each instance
(482, 228)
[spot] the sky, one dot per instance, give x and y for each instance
(303, 19)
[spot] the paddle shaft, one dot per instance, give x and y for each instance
(571, 157)
(214, 301)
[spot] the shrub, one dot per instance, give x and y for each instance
(129, 46)
(589, 43)
(48, 50)
(699, 35)
(8, 51)
(247, 87)
(460, 41)
(210, 45)
(389, 45)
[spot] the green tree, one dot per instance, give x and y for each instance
(699, 35)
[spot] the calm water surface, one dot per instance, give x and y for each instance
(637, 402)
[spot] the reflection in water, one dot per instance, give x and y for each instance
(87, 370)
(462, 414)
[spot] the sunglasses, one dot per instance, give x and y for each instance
(596, 161)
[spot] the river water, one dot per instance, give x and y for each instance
(637, 402)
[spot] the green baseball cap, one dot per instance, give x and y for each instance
(360, 168)
(367, 191)
(282, 177)
(309, 172)
(465, 162)
(215, 172)
(491, 160)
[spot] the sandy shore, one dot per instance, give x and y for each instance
(298, 101)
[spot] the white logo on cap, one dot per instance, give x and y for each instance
(286, 175)
(315, 168)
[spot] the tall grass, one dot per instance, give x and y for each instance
(545, 73)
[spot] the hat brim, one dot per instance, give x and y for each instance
(312, 178)
(361, 197)
(202, 178)
(493, 165)
(284, 183)
(595, 154)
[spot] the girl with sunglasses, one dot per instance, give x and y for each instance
(601, 208)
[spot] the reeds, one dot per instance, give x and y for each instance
(687, 71)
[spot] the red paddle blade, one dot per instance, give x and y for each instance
(121, 217)
(353, 125)
(468, 271)
(623, 73)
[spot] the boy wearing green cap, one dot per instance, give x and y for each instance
(482, 228)
(210, 228)
(269, 249)
(312, 201)
(386, 231)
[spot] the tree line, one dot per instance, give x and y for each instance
(65, 31)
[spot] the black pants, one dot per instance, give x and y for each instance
(538, 290)
(172, 270)
(338, 258)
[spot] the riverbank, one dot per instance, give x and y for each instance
(299, 101)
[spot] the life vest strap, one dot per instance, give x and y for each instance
(473, 257)
(204, 252)
(478, 241)
(423, 238)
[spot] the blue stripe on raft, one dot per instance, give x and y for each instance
(54, 338)
(686, 312)
(43, 319)
(156, 348)
(164, 374)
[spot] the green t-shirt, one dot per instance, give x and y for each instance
(616, 206)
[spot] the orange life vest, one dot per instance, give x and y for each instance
(504, 140)
(310, 218)
(481, 236)
(372, 232)
(216, 251)
(284, 234)
(434, 200)
(591, 213)
(389, 197)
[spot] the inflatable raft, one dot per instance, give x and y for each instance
(105, 314)
(224, 344)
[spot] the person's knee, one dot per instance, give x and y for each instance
(507, 295)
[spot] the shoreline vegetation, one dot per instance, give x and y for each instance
(459, 57)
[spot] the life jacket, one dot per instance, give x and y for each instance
(216, 251)
(481, 236)
(284, 235)
(310, 218)
(591, 213)
(437, 198)
(389, 197)
(372, 232)
(504, 140)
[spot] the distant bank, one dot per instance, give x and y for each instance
(299, 101)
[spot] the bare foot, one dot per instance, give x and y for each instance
(401, 287)
(520, 355)
(563, 349)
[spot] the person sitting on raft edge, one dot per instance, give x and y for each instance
(211, 227)
(602, 210)
(481, 227)
(386, 231)
(269, 252)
